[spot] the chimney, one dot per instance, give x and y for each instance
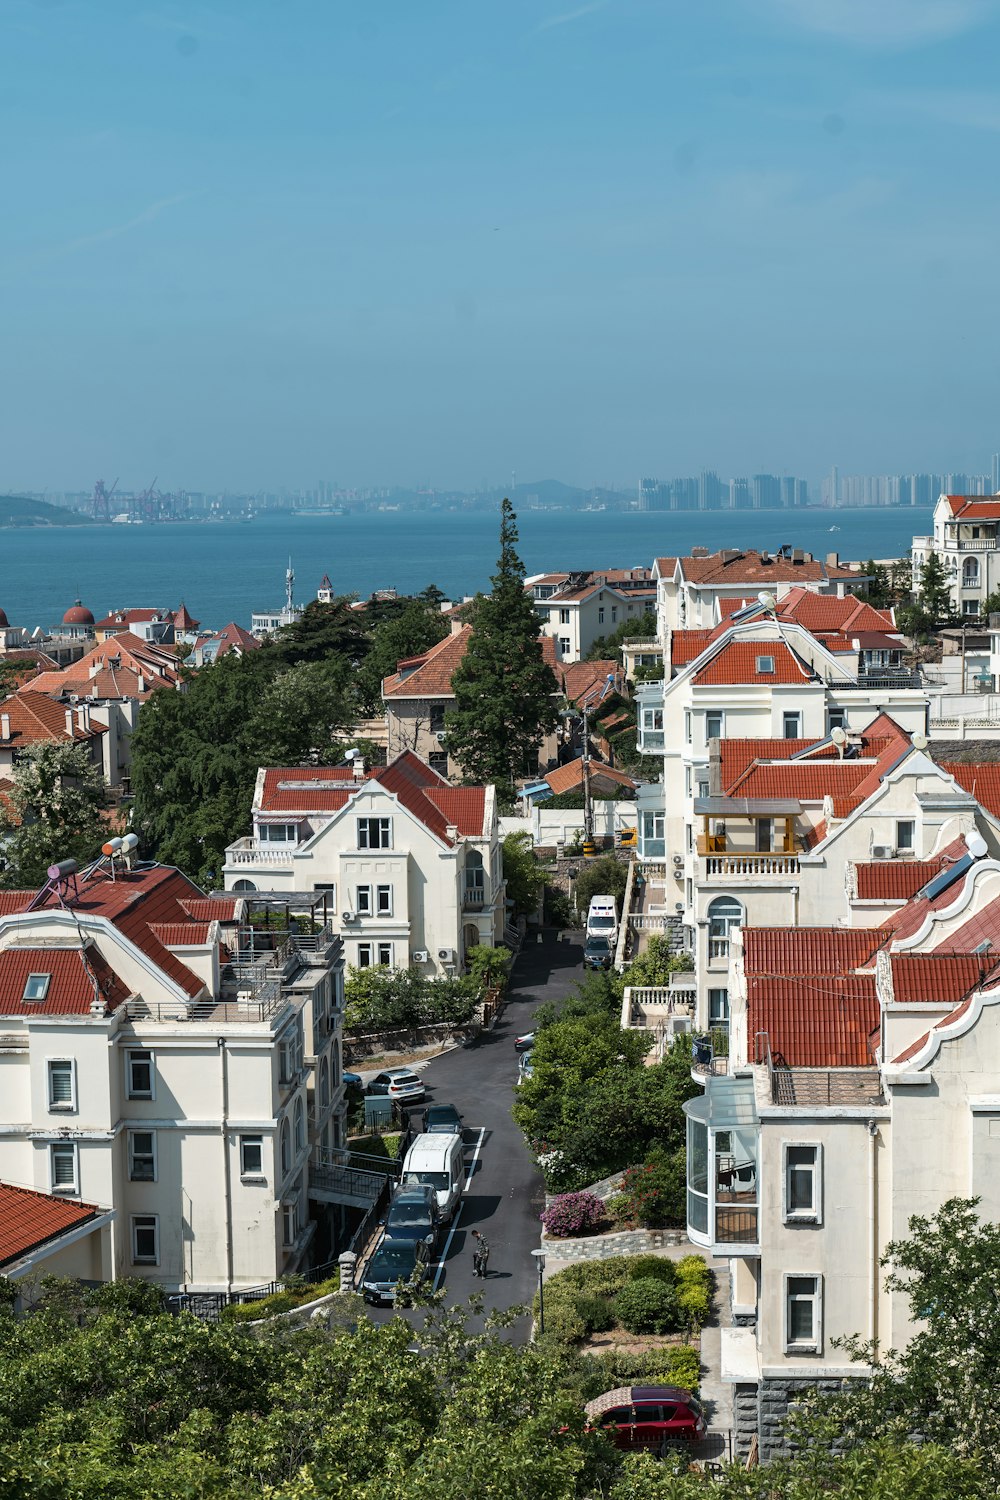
(4, 726)
(69, 722)
(451, 833)
(83, 716)
(833, 559)
(359, 768)
(142, 684)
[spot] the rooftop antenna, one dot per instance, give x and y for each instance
(289, 586)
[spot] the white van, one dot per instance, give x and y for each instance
(437, 1161)
(602, 918)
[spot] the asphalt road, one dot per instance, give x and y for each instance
(504, 1194)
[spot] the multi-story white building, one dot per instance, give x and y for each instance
(412, 865)
(174, 1060)
(690, 590)
(576, 609)
(863, 1088)
(965, 540)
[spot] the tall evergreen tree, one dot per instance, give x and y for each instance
(935, 593)
(504, 703)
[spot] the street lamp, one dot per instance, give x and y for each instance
(540, 1258)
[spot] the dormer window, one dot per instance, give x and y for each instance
(36, 987)
(765, 664)
(277, 833)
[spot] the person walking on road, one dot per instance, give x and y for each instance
(480, 1254)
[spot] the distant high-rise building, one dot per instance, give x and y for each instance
(995, 476)
(739, 494)
(710, 491)
(766, 492)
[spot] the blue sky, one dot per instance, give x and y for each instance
(250, 243)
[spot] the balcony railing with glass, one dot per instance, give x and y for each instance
(723, 1135)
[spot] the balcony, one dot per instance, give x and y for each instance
(473, 898)
(246, 851)
(977, 544)
(655, 1007)
(750, 866)
(722, 1177)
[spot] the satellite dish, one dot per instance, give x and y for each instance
(768, 600)
(838, 735)
(976, 844)
(920, 742)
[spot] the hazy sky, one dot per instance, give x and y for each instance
(248, 244)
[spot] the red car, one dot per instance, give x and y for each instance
(656, 1418)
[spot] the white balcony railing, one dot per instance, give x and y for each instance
(246, 852)
(750, 866)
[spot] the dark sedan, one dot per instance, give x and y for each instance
(396, 1267)
(442, 1119)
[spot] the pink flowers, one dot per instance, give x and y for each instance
(573, 1213)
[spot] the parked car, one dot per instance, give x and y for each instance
(658, 1418)
(602, 918)
(395, 1264)
(442, 1119)
(413, 1215)
(597, 953)
(399, 1083)
(525, 1067)
(353, 1081)
(524, 1042)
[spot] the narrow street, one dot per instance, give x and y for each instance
(504, 1195)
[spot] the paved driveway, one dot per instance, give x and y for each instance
(504, 1195)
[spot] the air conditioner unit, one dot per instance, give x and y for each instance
(679, 907)
(882, 851)
(446, 955)
(678, 861)
(420, 956)
(349, 916)
(441, 735)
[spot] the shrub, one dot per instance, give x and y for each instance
(677, 1365)
(597, 1313)
(648, 1305)
(563, 1322)
(652, 1268)
(657, 1189)
(557, 908)
(619, 1208)
(694, 1290)
(573, 1213)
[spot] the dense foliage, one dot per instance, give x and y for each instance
(504, 689)
(382, 999)
(608, 647)
(573, 1213)
(522, 872)
(600, 877)
(53, 812)
(639, 1293)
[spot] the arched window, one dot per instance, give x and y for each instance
(324, 1083)
(286, 1148)
(244, 885)
(724, 913)
(300, 1125)
(970, 570)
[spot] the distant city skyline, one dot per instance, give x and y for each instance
(248, 244)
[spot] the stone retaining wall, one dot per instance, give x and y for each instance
(775, 1398)
(604, 1246)
(745, 1408)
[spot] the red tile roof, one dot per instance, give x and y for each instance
(720, 569)
(781, 951)
(29, 1220)
(587, 680)
(569, 777)
(736, 663)
(462, 807)
(893, 879)
(113, 669)
(182, 934)
(34, 718)
(212, 908)
(939, 978)
(808, 780)
(430, 675)
(974, 507)
(819, 612)
(685, 645)
(71, 992)
(306, 789)
(911, 917)
(982, 780)
(823, 1021)
(127, 617)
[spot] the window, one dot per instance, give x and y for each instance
(286, 1148)
(300, 1126)
(802, 1183)
(652, 718)
(329, 888)
(63, 1165)
(139, 1075)
(364, 955)
(251, 1155)
(837, 718)
(564, 645)
(142, 1156)
(564, 617)
(363, 900)
(286, 1058)
(385, 954)
(614, 613)
(600, 616)
(687, 726)
(653, 825)
(803, 1313)
(765, 664)
(970, 606)
(36, 987)
(791, 725)
(145, 1239)
(62, 1084)
(703, 786)
(324, 1084)
(438, 761)
(724, 913)
(906, 835)
(383, 900)
(374, 833)
(276, 833)
(713, 724)
(437, 718)
(970, 572)
(718, 1011)
(289, 1219)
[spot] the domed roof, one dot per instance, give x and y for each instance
(78, 615)
(4, 622)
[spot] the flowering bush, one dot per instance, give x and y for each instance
(655, 1190)
(573, 1213)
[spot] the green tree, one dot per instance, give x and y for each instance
(880, 592)
(415, 629)
(522, 872)
(323, 631)
(53, 813)
(636, 628)
(504, 689)
(600, 877)
(990, 605)
(301, 712)
(934, 594)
